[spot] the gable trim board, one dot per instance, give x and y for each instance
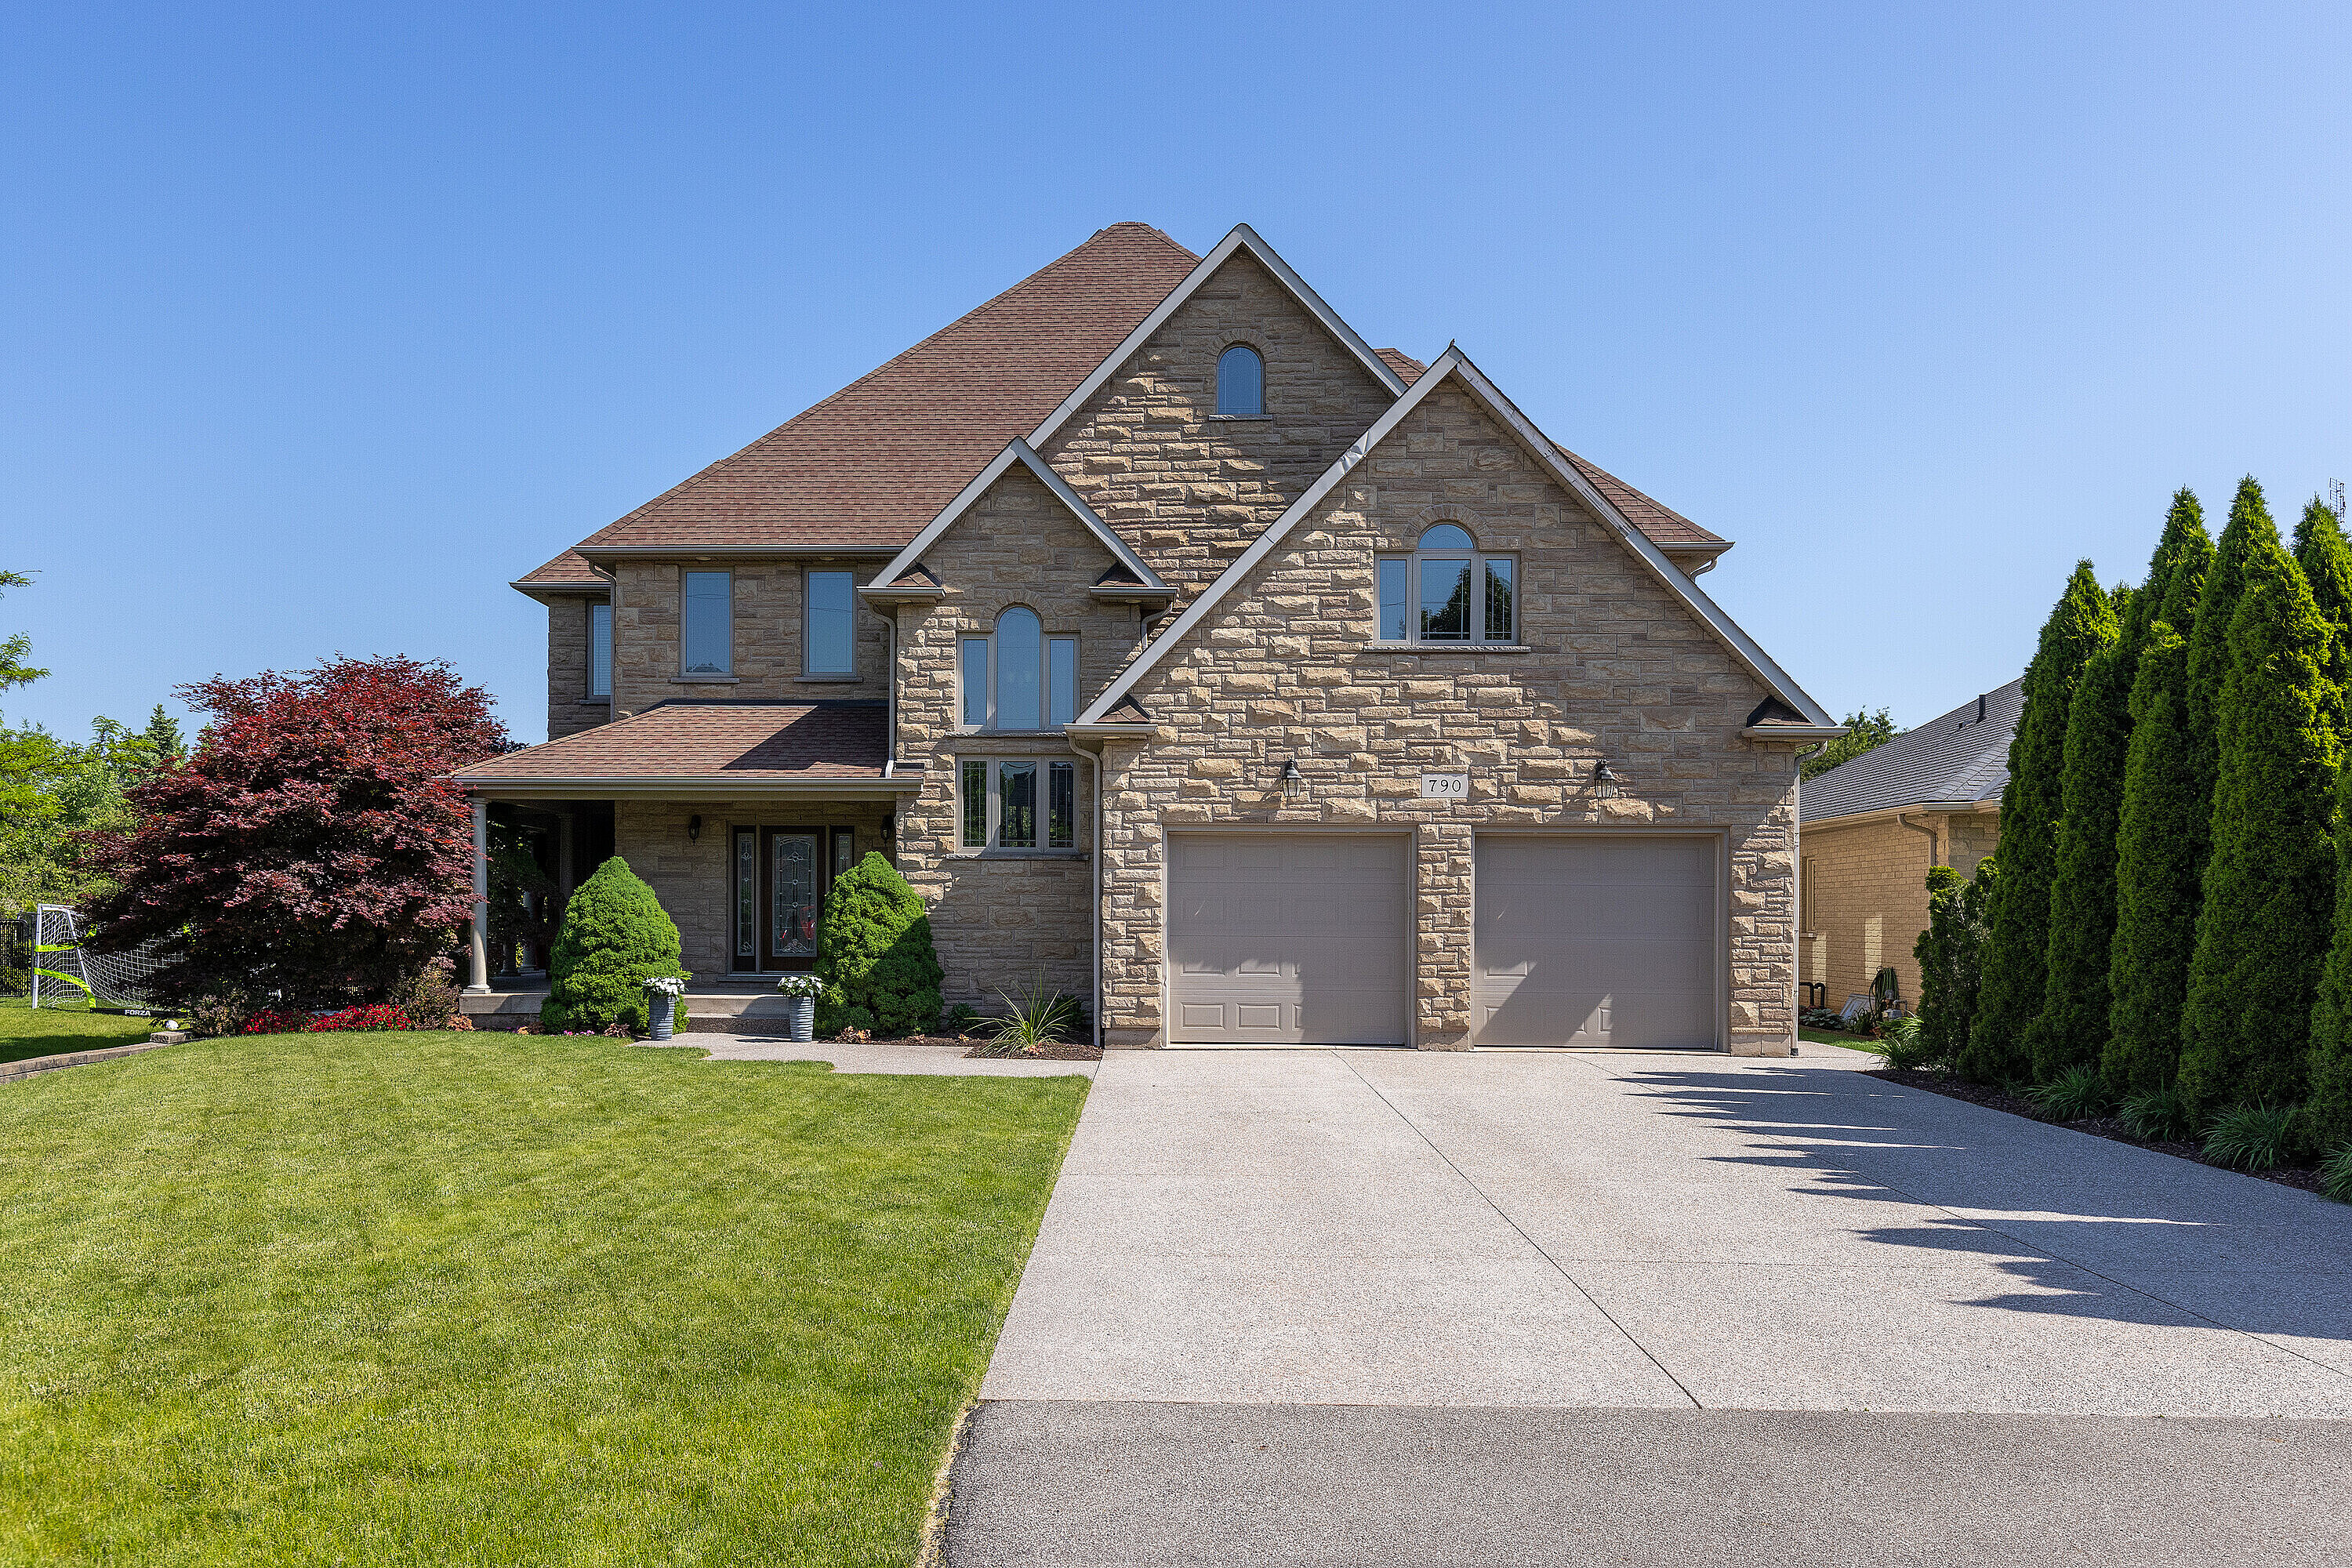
(1015, 451)
(1242, 238)
(1454, 363)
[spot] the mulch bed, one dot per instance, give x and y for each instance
(1059, 1053)
(971, 1045)
(2106, 1127)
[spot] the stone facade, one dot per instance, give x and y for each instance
(770, 651)
(1865, 894)
(1003, 918)
(693, 878)
(568, 710)
(1189, 490)
(1611, 665)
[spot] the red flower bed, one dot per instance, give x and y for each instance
(374, 1015)
(270, 1021)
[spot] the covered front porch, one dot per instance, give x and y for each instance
(738, 816)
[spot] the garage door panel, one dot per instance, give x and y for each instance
(1287, 938)
(1595, 941)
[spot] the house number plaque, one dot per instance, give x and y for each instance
(1445, 786)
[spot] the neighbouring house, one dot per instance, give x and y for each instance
(1872, 826)
(1249, 683)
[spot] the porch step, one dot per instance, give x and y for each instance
(755, 1001)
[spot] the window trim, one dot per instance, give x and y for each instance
(1219, 385)
(1047, 775)
(1477, 560)
(595, 667)
(808, 622)
(685, 598)
(1046, 642)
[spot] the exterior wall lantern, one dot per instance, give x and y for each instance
(1294, 784)
(1604, 780)
(693, 829)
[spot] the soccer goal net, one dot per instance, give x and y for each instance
(64, 971)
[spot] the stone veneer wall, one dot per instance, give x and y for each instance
(1189, 490)
(1618, 668)
(568, 712)
(694, 879)
(769, 650)
(1002, 919)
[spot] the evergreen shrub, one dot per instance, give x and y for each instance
(1951, 959)
(2329, 1103)
(615, 936)
(874, 953)
(2161, 840)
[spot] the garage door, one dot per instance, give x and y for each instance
(1287, 939)
(1595, 941)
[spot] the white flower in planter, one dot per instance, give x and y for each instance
(667, 984)
(800, 986)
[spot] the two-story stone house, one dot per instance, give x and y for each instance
(1252, 684)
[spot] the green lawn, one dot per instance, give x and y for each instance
(1832, 1038)
(479, 1298)
(45, 1031)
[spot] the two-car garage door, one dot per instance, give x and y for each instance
(1593, 940)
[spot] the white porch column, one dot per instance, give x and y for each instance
(478, 949)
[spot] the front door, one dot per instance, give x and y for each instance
(792, 897)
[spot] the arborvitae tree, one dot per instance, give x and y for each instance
(2328, 1106)
(1951, 958)
(2209, 643)
(2076, 1001)
(2160, 841)
(2270, 887)
(2326, 561)
(2017, 952)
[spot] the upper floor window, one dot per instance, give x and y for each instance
(600, 649)
(832, 638)
(1017, 678)
(1447, 590)
(1241, 382)
(707, 624)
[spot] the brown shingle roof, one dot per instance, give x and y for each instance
(752, 742)
(869, 466)
(566, 569)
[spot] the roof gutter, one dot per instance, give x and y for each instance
(598, 553)
(1896, 813)
(899, 782)
(1794, 732)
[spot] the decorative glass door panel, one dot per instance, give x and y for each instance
(794, 900)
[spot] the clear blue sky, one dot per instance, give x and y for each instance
(317, 328)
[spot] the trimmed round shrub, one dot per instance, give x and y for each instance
(875, 955)
(615, 936)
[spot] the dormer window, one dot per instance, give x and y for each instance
(1017, 678)
(1448, 591)
(1241, 384)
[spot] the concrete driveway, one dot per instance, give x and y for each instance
(1471, 1296)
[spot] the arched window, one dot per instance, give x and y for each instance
(1241, 383)
(1447, 590)
(1017, 677)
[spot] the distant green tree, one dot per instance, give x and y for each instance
(2017, 951)
(2328, 1106)
(1864, 731)
(14, 671)
(2076, 1000)
(2270, 886)
(1951, 958)
(2326, 561)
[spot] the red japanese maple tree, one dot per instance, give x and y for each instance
(312, 846)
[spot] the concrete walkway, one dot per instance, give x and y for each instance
(1467, 1248)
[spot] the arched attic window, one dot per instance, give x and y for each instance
(1017, 677)
(1448, 591)
(1241, 383)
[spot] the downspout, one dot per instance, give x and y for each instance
(1096, 757)
(1935, 839)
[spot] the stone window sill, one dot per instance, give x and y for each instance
(595, 702)
(705, 680)
(1450, 647)
(1241, 418)
(994, 854)
(851, 678)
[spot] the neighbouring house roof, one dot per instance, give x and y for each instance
(867, 469)
(1812, 718)
(730, 743)
(1962, 756)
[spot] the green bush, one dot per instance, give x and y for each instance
(2161, 841)
(1902, 1044)
(875, 954)
(2335, 1174)
(1951, 959)
(2270, 887)
(615, 936)
(2075, 1095)
(2259, 1137)
(2017, 949)
(2158, 1115)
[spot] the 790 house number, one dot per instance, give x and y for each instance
(1445, 786)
